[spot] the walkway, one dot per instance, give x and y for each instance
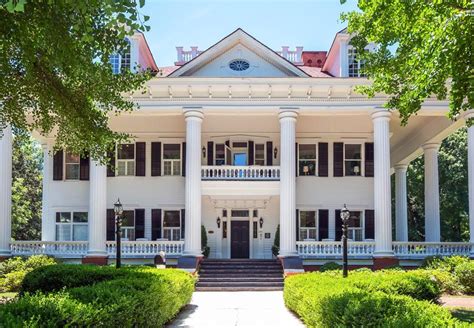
(236, 309)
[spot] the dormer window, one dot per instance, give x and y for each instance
(121, 61)
(355, 65)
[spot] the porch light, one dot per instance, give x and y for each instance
(203, 152)
(118, 211)
(118, 208)
(356, 170)
(261, 222)
(275, 152)
(218, 221)
(345, 215)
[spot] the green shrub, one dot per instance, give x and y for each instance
(329, 266)
(448, 263)
(447, 282)
(205, 249)
(465, 275)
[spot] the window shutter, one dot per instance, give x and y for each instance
(228, 153)
(84, 167)
(369, 224)
(111, 164)
(140, 159)
(323, 224)
(297, 225)
(156, 159)
(369, 159)
(58, 160)
(139, 223)
(338, 225)
(155, 224)
(183, 220)
(323, 159)
(251, 152)
(110, 224)
(210, 153)
(296, 159)
(338, 159)
(183, 161)
(269, 153)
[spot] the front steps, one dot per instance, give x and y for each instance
(240, 275)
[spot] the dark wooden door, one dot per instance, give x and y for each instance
(239, 240)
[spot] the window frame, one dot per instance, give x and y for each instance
(316, 172)
(352, 52)
(361, 160)
(171, 229)
(71, 224)
(127, 161)
(351, 230)
(173, 161)
(255, 159)
(118, 59)
(307, 229)
(215, 154)
(126, 230)
(66, 164)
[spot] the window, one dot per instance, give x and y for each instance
(224, 229)
(72, 166)
(355, 65)
(172, 225)
(308, 225)
(126, 159)
(307, 159)
(352, 159)
(260, 154)
(172, 159)
(71, 226)
(220, 154)
(120, 61)
(128, 225)
(115, 62)
(255, 229)
(240, 213)
(239, 65)
(356, 231)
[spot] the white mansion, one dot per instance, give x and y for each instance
(241, 139)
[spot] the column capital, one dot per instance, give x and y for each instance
(401, 167)
(195, 113)
(431, 146)
(381, 114)
(288, 113)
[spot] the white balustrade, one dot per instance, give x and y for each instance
(146, 248)
(240, 173)
(186, 55)
(334, 248)
(52, 248)
(424, 249)
(294, 56)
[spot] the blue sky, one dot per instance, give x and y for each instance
(308, 23)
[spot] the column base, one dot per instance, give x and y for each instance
(291, 264)
(95, 260)
(189, 263)
(385, 262)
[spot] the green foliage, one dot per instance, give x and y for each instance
(130, 297)
(421, 45)
(205, 249)
(329, 266)
(55, 72)
(465, 274)
(455, 274)
(276, 242)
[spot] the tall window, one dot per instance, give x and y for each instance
(308, 225)
(128, 225)
(355, 65)
(172, 225)
(172, 159)
(115, 62)
(220, 154)
(260, 154)
(71, 226)
(121, 61)
(126, 159)
(352, 159)
(307, 159)
(356, 227)
(72, 162)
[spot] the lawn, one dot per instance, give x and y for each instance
(463, 314)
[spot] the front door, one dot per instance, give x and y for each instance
(239, 240)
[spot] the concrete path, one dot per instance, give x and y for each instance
(236, 309)
(458, 301)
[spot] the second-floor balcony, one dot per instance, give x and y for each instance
(239, 173)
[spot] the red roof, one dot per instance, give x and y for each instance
(314, 71)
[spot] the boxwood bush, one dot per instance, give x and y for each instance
(88, 296)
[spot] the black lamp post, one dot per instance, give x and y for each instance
(345, 215)
(118, 209)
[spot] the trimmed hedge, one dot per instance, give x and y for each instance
(99, 296)
(366, 299)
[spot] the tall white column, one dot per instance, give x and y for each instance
(287, 183)
(192, 237)
(470, 171)
(97, 209)
(47, 220)
(6, 142)
(382, 190)
(401, 210)
(432, 219)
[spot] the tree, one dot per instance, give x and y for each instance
(55, 75)
(26, 187)
(424, 48)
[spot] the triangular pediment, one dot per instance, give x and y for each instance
(239, 48)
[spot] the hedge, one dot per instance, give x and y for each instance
(98, 296)
(380, 299)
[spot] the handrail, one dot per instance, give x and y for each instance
(229, 172)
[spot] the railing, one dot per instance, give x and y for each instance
(294, 56)
(146, 248)
(424, 249)
(334, 248)
(186, 55)
(52, 248)
(240, 173)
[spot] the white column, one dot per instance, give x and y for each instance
(287, 183)
(192, 237)
(432, 219)
(401, 210)
(470, 171)
(47, 221)
(97, 209)
(382, 190)
(6, 143)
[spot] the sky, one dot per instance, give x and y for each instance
(308, 23)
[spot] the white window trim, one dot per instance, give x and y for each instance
(362, 224)
(173, 161)
(215, 153)
(316, 145)
(362, 158)
(359, 66)
(126, 160)
(163, 210)
(316, 223)
(65, 164)
(71, 224)
(264, 153)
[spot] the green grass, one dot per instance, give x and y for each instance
(463, 314)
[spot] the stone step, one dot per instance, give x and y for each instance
(239, 275)
(216, 267)
(240, 284)
(238, 289)
(240, 279)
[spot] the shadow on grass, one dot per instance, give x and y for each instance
(463, 314)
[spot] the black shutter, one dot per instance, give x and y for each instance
(338, 225)
(296, 159)
(269, 153)
(111, 163)
(110, 224)
(338, 159)
(369, 159)
(323, 224)
(140, 159)
(228, 153)
(297, 225)
(84, 167)
(183, 162)
(155, 159)
(323, 159)
(139, 223)
(369, 224)
(183, 220)
(58, 159)
(251, 152)
(210, 153)
(155, 224)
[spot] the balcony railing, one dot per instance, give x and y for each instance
(269, 173)
(146, 248)
(422, 249)
(334, 248)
